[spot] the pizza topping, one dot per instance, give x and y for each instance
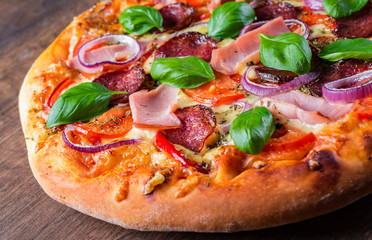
(294, 145)
(305, 32)
(228, 19)
(154, 109)
(156, 180)
(342, 8)
(270, 75)
(187, 44)
(188, 72)
(57, 91)
(140, 19)
(177, 16)
(349, 89)
(114, 123)
(338, 70)
(74, 63)
(268, 9)
(309, 109)
(92, 149)
(245, 107)
(162, 143)
(291, 111)
(245, 49)
(267, 90)
(316, 5)
(288, 51)
(129, 82)
(221, 90)
(109, 49)
(197, 123)
(252, 129)
(360, 48)
(359, 24)
(80, 103)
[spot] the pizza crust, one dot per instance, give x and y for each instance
(252, 198)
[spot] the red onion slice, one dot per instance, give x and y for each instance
(305, 29)
(349, 89)
(226, 128)
(262, 90)
(93, 149)
(109, 49)
(316, 5)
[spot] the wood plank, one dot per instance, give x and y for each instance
(26, 29)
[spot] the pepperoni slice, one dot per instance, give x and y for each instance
(338, 70)
(198, 122)
(267, 10)
(129, 81)
(357, 25)
(187, 44)
(177, 16)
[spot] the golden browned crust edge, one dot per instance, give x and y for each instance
(280, 193)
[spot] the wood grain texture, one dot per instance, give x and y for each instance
(26, 212)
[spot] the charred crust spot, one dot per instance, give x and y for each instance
(328, 168)
(367, 139)
(150, 197)
(314, 165)
(326, 159)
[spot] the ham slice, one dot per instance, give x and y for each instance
(74, 63)
(245, 49)
(309, 109)
(155, 109)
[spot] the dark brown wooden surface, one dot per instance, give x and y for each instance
(26, 212)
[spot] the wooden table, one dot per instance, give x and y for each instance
(27, 27)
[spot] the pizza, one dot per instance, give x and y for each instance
(204, 115)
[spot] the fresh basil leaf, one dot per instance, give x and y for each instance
(228, 19)
(186, 72)
(252, 129)
(359, 48)
(342, 8)
(288, 51)
(80, 103)
(140, 19)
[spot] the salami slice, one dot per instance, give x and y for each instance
(177, 16)
(276, 76)
(267, 10)
(198, 122)
(129, 81)
(187, 44)
(338, 70)
(357, 25)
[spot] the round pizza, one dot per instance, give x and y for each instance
(204, 115)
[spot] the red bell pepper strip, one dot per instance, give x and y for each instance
(57, 91)
(168, 147)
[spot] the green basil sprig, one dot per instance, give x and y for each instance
(80, 103)
(186, 72)
(228, 19)
(252, 129)
(140, 19)
(359, 48)
(342, 8)
(288, 51)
